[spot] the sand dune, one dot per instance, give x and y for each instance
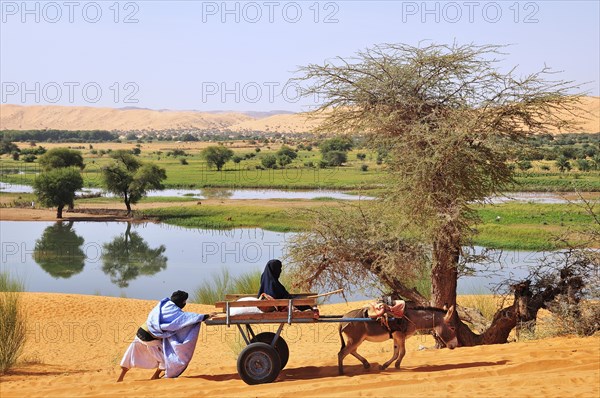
(20, 117)
(88, 118)
(75, 343)
(296, 123)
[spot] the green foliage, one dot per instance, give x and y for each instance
(131, 179)
(584, 165)
(129, 256)
(61, 157)
(176, 152)
(215, 290)
(57, 187)
(335, 158)
(285, 155)
(524, 165)
(59, 135)
(343, 144)
(8, 147)
(269, 161)
(58, 251)
(216, 156)
(187, 137)
(287, 151)
(563, 164)
(13, 326)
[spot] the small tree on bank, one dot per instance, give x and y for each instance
(216, 156)
(56, 188)
(131, 179)
(445, 116)
(61, 157)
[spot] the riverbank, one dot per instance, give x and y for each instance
(75, 343)
(510, 226)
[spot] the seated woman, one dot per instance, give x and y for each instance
(270, 285)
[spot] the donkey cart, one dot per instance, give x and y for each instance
(267, 353)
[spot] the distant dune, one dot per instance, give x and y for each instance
(19, 117)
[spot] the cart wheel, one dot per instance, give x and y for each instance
(281, 346)
(258, 363)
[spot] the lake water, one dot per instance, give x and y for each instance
(237, 194)
(147, 261)
(216, 193)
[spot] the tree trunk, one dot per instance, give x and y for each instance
(444, 272)
(128, 204)
(59, 211)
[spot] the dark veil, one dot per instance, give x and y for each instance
(269, 281)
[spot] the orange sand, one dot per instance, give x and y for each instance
(75, 343)
(19, 117)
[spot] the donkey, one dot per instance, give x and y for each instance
(416, 318)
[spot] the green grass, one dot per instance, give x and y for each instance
(226, 217)
(12, 322)
(221, 284)
(527, 226)
(521, 226)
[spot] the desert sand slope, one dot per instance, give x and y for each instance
(75, 343)
(18, 117)
(588, 116)
(294, 123)
(87, 118)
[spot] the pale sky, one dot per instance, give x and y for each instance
(236, 55)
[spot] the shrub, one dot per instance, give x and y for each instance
(335, 158)
(12, 322)
(221, 284)
(364, 167)
(183, 161)
(269, 161)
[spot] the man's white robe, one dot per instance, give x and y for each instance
(178, 332)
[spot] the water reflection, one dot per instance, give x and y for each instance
(216, 193)
(58, 251)
(128, 256)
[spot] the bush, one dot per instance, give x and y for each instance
(524, 165)
(335, 158)
(183, 161)
(29, 158)
(364, 167)
(269, 161)
(12, 322)
(584, 165)
(361, 156)
(212, 291)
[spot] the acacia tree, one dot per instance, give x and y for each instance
(216, 156)
(61, 157)
(445, 115)
(130, 178)
(57, 187)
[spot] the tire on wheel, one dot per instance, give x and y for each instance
(258, 363)
(281, 346)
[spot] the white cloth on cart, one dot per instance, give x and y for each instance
(245, 310)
